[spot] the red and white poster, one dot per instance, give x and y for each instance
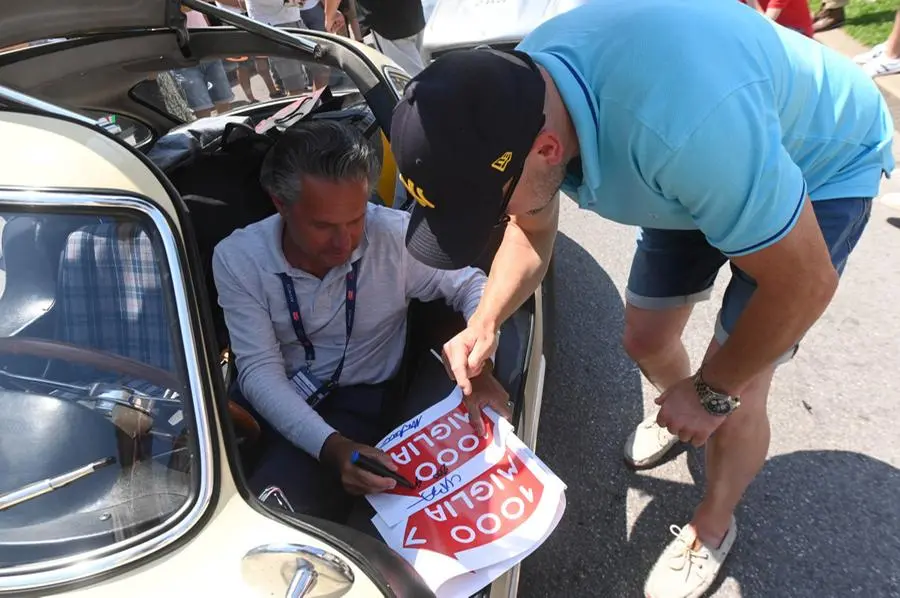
(488, 509)
(437, 450)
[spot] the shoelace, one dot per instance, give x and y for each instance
(684, 557)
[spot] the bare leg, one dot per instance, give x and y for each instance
(653, 340)
(262, 67)
(243, 75)
(222, 107)
(734, 456)
(892, 45)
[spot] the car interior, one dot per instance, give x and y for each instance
(58, 283)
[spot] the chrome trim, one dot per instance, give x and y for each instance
(532, 423)
(23, 99)
(280, 498)
(102, 560)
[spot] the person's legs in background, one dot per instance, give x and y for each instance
(291, 72)
(883, 59)
(192, 82)
(242, 71)
(261, 63)
(830, 15)
(406, 51)
(314, 18)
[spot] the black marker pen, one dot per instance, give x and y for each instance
(373, 466)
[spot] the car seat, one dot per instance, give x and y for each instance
(114, 297)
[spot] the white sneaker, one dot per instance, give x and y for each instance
(682, 572)
(648, 444)
(868, 55)
(881, 65)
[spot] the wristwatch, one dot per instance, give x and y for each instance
(715, 402)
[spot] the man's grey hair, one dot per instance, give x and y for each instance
(319, 148)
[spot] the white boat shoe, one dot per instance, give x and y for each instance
(684, 571)
(648, 444)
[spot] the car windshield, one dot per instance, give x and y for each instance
(97, 435)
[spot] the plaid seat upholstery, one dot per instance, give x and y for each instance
(112, 296)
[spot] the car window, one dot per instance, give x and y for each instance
(221, 85)
(98, 442)
(131, 131)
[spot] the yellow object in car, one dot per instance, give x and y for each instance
(387, 183)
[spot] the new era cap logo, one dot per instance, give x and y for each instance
(502, 162)
(416, 192)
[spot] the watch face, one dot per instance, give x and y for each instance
(714, 402)
(718, 404)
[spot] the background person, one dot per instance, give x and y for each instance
(396, 27)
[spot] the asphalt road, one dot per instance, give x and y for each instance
(822, 520)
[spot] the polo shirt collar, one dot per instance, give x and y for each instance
(584, 112)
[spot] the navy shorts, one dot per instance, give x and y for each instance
(672, 268)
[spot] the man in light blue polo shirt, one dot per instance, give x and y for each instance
(725, 138)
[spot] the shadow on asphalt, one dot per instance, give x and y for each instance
(592, 394)
(816, 523)
(894, 221)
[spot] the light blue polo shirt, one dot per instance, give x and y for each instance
(703, 114)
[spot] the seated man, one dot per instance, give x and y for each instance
(315, 300)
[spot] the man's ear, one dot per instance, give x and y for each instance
(548, 146)
(279, 205)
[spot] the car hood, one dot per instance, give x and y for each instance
(466, 23)
(34, 20)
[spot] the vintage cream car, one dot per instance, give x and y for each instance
(122, 460)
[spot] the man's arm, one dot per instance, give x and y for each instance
(261, 373)
(774, 9)
(518, 269)
(519, 266)
(795, 282)
(331, 12)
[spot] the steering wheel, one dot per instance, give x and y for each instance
(95, 358)
(246, 425)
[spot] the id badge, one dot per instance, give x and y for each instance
(306, 383)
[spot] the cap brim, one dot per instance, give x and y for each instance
(447, 243)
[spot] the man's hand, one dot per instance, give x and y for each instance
(486, 392)
(334, 21)
(684, 416)
(464, 354)
(357, 481)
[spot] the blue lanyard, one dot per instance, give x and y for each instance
(290, 295)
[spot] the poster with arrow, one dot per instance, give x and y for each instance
(482, 517)
(437, 450)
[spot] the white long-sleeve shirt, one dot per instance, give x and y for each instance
(246, 267)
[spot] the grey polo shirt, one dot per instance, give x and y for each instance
(246, 267)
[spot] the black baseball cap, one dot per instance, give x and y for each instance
(460, 135)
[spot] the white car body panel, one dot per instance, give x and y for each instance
(467, 23)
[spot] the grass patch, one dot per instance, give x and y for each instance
(870, 21)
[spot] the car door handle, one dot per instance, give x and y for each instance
(296, 571)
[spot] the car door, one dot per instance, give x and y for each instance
(117, 476)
